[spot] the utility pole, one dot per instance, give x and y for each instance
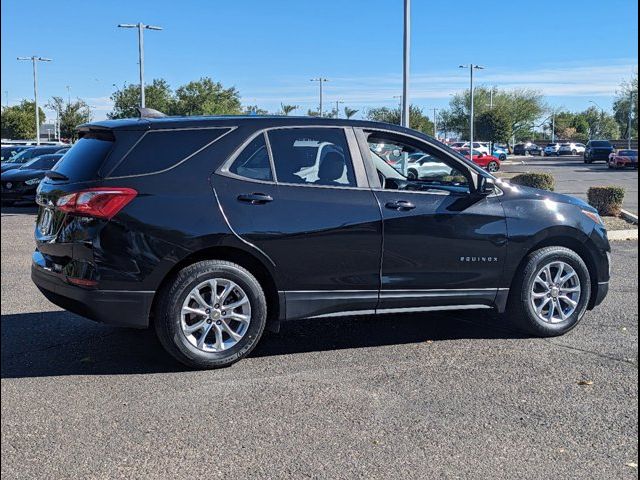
(320, 81)
(406, 51)
(338, 102)
(34, 61)
(141, 27)
(553, 127)
(630, 120)
(435, 123)
(471, 68)
(68, 94)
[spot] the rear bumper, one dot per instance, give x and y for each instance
(113, 307)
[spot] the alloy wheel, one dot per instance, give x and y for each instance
(555, 293)
(215, 315)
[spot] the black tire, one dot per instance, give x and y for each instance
(519, 307)
(167, 318)
(412, 174)
(493, 166)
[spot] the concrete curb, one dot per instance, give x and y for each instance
(622, 235)
(629, 217)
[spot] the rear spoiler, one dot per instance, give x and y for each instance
(150, 113)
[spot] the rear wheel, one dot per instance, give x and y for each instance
(549, 296)
(493, 166)
(211, 314)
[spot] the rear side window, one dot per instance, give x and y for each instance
(253, 162)
(83, 160)
(159, 150)
(318, 156)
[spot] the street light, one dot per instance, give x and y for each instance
(601, 114)
(406, 50)
(320, 80)
(435, 123)
(141, 27)
(471, 68)
(338, 102)
(34, 61)
(629, 119)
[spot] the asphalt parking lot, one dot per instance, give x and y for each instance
(574, 177)
(448, 395)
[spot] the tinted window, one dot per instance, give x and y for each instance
(83, 160)
(253, 161)
(600, 144)
(317, 156)
(31, 153)
(162, 149)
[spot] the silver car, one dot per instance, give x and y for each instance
(552, 149)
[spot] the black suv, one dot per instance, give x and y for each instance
(597, 150)
(210, 229)
(527, 149)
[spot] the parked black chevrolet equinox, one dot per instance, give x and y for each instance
(210, 229)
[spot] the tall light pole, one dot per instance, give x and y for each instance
(601, 113)
(406, 53)
(141, 27)
(68, 87)
(435, 123)
(320, 81)
(34, 61)
(471, 68)
(630, 120)
(338, 102)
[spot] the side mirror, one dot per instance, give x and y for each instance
(485, 186)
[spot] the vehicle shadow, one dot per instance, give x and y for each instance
(58, 343)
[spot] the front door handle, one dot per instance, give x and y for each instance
(400, 205)
(255, 198)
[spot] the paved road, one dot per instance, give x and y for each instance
(455, 395)
(574, 177)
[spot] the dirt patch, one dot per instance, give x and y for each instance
(617, 223)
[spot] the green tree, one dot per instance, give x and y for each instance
(313, 113)
(417, 120)
(287, 109)
(627, 99)
(521, 106)
(126, 101)
(601, 124)
(349, 112)
(494, 125)
(19, 121)
(254, 110)
(70, 115)
(206, 97)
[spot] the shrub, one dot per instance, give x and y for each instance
(543, 181)
(607, 200)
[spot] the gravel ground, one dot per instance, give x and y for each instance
(449, 395)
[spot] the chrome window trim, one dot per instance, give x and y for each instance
(108, 177)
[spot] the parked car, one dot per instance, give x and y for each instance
(10, 151)
(161, 222)
(500, 152)
(29, 154)
(527, 149)
(551, 149)
(597, 150)
(623, 159)
(20, 184)
(488, 162)
(422, 166)
(571, 149)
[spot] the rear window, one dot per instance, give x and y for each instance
(83, 160)
(159, 150)
(600, 144)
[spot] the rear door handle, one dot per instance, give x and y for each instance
(400, 205)
(255, 198)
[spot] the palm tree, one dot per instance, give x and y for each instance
(287, 109)
(349, 112)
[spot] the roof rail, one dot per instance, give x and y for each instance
(150, 113)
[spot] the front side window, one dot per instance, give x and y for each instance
(404, 166)
(312, 156)
(253, 162)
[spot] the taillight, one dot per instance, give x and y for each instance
(102, 202)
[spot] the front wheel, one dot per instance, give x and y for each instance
(211, 314)
(493, 167)
(550, 294)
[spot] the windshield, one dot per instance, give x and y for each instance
(45, 162)
(600, 144)
(628, 153)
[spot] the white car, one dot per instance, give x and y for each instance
(426, 166)
(571, 149)
(551, 149)
(479, 146)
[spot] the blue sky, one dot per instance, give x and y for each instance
(572, 51)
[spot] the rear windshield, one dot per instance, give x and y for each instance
(600, 144)
(628, 153)
(83, 160)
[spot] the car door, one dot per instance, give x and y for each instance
(442, 245)
(301, 197)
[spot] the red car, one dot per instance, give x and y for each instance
(623, 158)
(488, 162)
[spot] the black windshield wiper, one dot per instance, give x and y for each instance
(53, 175)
